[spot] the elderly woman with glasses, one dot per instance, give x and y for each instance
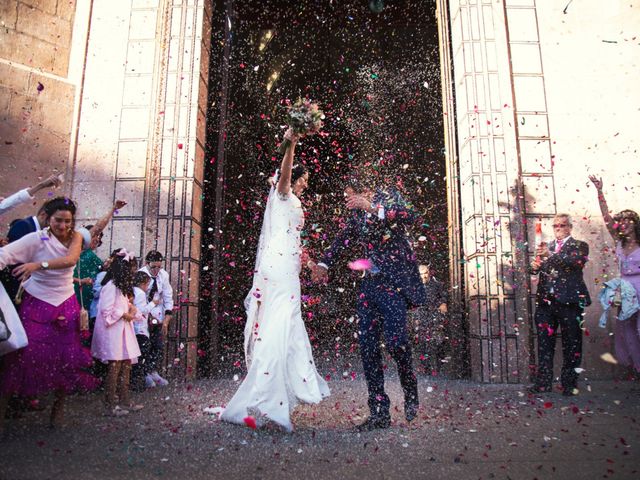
(624, 228)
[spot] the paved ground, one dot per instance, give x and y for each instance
(464, 430)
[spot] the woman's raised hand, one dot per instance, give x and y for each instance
(119, 204)
(291, 135)
(597, 182)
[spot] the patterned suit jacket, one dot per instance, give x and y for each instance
(383, 239)
(561, 277)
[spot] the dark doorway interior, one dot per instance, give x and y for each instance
(373, 67)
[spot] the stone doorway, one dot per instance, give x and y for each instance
(375, 68)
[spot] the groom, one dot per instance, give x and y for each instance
(390, 285)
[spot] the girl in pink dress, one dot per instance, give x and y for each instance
(624, 227)
(54, 360)
(114, 339)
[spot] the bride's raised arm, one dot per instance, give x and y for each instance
(284, 182)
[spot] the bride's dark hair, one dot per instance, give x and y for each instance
(297, 171)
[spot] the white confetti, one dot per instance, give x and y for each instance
(607, 357)
(213, 410)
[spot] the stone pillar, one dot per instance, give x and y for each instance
(141, 138)
(536, 186)
(489, 103)
(459, 354)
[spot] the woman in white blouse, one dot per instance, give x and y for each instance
(54, 359)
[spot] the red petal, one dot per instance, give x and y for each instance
(250, 422)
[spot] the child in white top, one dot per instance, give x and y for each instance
(160, 317)
(142, 369)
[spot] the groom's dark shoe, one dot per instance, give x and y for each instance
(536, 389)
(374, 423)
(410, 409)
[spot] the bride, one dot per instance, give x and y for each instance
(281, 371)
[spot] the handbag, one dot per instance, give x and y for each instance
(84, 315)
(16, 337)
(18, 299)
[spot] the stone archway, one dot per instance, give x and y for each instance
(247, 45)
(495, 131)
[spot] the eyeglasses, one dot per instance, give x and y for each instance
(559, 225)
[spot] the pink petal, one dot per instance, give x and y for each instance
(360, 264)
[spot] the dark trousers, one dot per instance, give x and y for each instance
(383, 311)
(141, 369)
(569, 319)
(429, 345)
(156, 348)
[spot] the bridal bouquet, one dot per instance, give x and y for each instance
(304, 118)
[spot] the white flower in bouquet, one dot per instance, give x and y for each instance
(304, 118)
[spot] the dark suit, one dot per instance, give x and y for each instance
(431, 325)
(560, 301)
(21, 228)
(18, 230)
(391, 286)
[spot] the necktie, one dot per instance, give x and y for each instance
(559, 245)
(153, 290)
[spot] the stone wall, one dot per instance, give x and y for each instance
(36, 93)
(37, 33)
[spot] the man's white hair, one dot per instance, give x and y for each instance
(565, 215)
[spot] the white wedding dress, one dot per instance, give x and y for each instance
(281, 371)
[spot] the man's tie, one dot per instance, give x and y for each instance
(559, 245)
(153, 290)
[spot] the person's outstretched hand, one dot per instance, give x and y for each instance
(597, 182)
(292, 136)
(53, 180)
(319, 275)
(358, 202)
